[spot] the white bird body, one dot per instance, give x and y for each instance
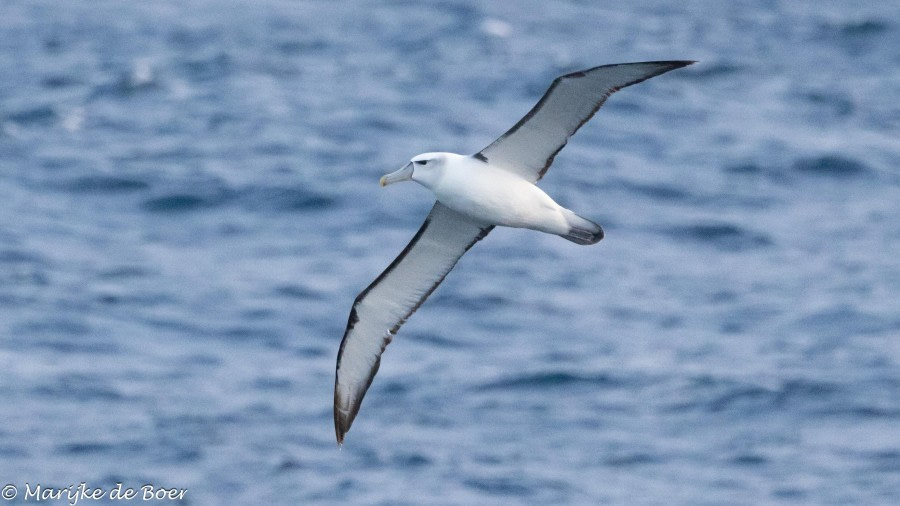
(495, 196)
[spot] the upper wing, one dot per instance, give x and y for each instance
(528, 148)
(381, 309)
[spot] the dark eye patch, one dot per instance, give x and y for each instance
(421, 162)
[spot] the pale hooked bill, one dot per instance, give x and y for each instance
(495, 186)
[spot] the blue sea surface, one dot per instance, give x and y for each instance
(189, 204)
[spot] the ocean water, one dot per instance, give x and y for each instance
(189, 204)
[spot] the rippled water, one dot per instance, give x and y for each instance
(189, 205)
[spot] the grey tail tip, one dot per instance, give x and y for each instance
(582, 231)
(584, 237)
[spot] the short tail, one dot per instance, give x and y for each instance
(581, 231)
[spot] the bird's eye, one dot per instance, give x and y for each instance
(421, 162)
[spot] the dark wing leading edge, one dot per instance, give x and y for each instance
(384, 306)
(528, 148)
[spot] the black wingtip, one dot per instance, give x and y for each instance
(338, 433)
(682, 63)
(671, 64)
(341, 426)
(342, 420)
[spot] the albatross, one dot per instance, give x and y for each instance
(475, 193)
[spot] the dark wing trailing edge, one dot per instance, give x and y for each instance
(380, 310)
(528, 148)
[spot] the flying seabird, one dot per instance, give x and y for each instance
(495, 186)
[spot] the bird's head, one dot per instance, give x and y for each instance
(425, 169)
